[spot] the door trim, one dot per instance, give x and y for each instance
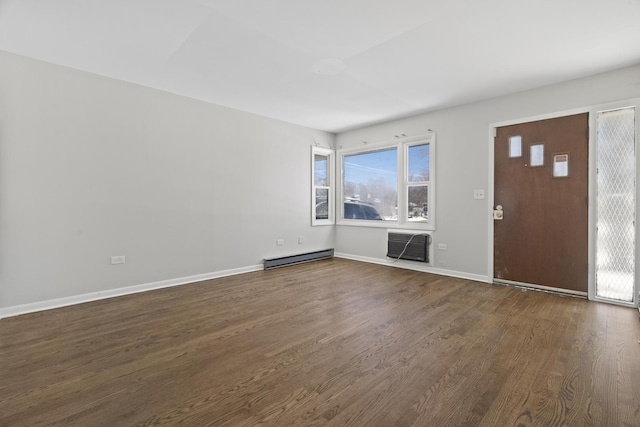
(592, 109)
(541, 288)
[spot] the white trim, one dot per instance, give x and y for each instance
(387, 224)
(592, 220)
(382, 144)
(111, 293)
(493, 129)
(409, 265)
(409, 231)
(615, 302)
(541, 287)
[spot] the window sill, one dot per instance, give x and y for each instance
(388, 224)
(322, 223)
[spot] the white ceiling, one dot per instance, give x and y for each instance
(329, 64)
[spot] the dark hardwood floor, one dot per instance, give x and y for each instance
(334, 342)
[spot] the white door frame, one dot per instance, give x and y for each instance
(592, 186)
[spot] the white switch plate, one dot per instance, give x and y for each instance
(478, 194)
(442, 246)
(120, 259)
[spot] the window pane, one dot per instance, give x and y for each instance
(616, 213)
(418, 163)
(320, 163)
(418, 203)
(515, 146)
(371, 179)
(322, 203)
(537, 155)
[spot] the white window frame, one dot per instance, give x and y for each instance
(402, 146)
(329, 153)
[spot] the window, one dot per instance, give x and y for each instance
(322, 186)
(390, 185)
(616, 204)
(417, 182)
(515, 146)
(536, 156)
(371, 180)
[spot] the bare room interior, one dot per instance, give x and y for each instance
(319, 213)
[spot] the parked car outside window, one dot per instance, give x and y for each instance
(359, 210)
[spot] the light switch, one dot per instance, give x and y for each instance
(478, 194)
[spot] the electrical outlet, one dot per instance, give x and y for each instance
(478, 194)
(442, 246)
(280, 242)
(119, 259)
(442, 263)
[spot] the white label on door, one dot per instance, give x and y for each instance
(561, 165)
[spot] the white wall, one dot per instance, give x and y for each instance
(92, 167)
(463, 164)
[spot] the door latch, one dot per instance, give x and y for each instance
(498, 213)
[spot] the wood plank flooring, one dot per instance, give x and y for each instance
(330, 343)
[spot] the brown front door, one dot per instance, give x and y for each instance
(541, 189)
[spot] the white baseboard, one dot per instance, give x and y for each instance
(94, 296)
(111, 293)
(410, 265)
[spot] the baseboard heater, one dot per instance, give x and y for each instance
(297, 259)
(414, 247)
